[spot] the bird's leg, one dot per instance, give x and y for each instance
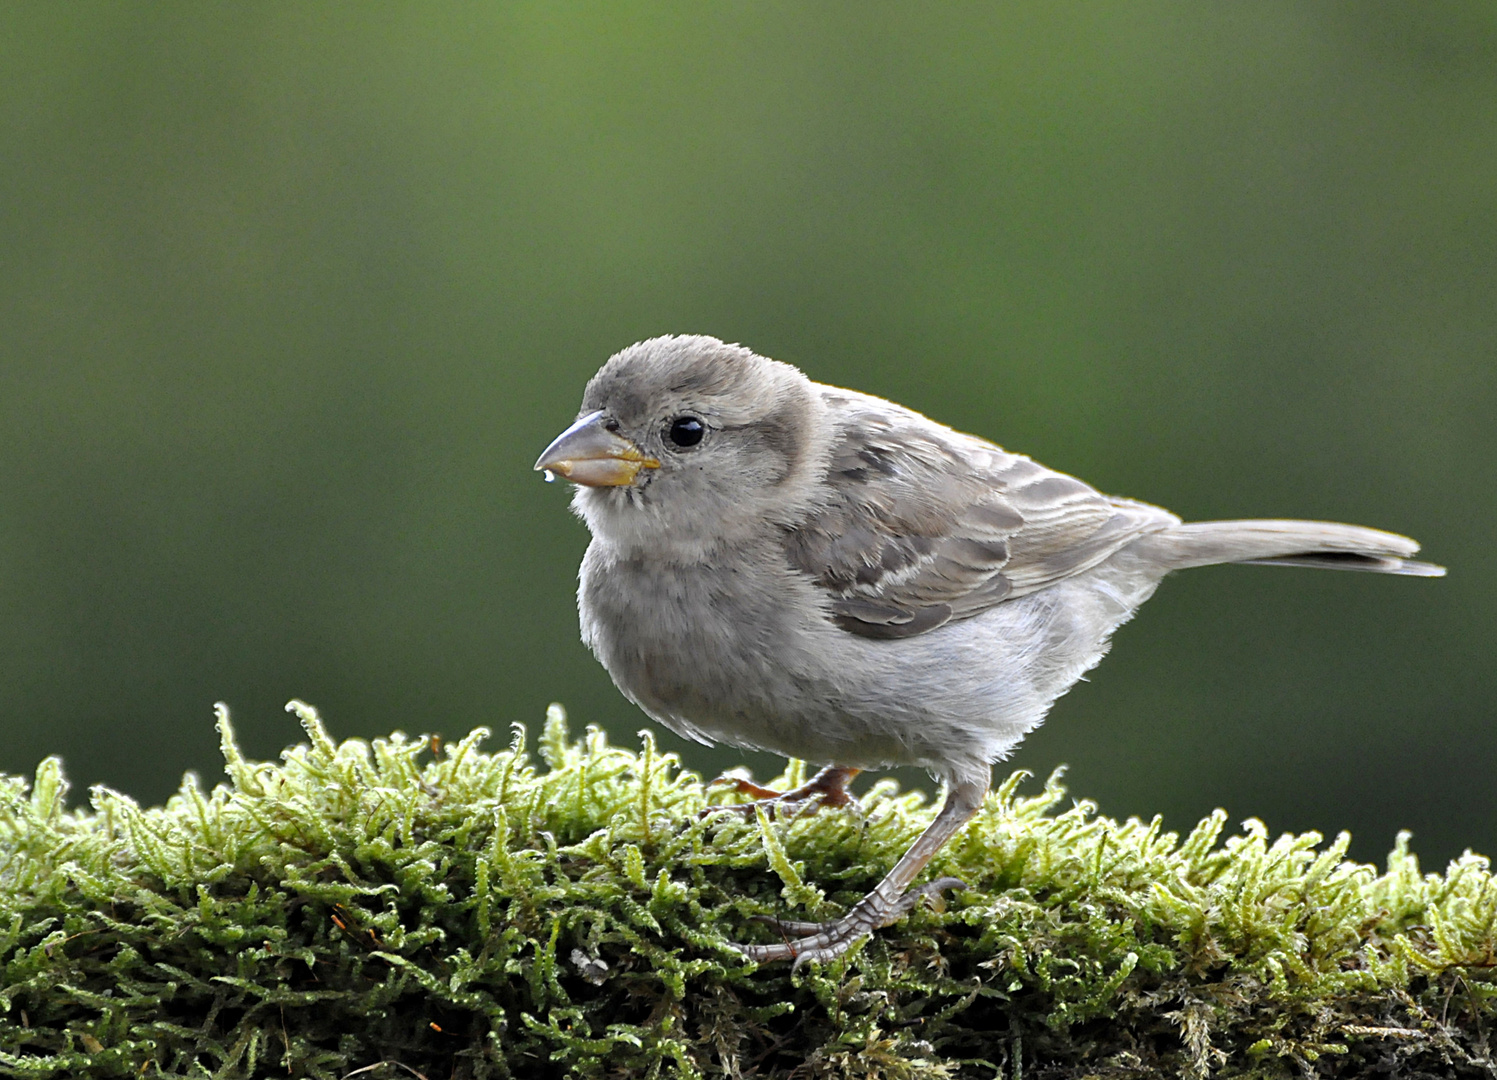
(827, 788)
(890, 900)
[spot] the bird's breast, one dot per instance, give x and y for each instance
(711, 649)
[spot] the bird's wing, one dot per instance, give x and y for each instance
(920, 524)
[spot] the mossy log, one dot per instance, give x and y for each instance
(400, 908)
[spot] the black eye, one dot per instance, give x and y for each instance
(686, 431)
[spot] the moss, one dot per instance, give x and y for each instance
(382, 909)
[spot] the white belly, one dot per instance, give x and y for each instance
(758, 674)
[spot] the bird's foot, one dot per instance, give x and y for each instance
(826, 788)
(826, 941)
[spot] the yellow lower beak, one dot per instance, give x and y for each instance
(588, 453)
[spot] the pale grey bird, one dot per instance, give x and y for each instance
(787, 566)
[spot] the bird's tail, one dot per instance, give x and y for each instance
(1322, 544)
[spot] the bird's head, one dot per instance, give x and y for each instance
(683, 442)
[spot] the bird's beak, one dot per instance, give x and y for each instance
(588, 453)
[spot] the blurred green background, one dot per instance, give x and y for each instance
(291, 296)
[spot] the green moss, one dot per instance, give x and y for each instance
(474, 914)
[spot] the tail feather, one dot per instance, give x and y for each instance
(1322, 544)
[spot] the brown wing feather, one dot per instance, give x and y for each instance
(922, 524)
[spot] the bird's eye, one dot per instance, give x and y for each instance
(686, 431)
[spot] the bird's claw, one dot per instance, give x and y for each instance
(827, 941)
(743, 786)
(826, 788)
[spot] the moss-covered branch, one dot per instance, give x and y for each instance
(386, 910)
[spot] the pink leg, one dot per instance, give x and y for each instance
(827, 788)
(891, 899)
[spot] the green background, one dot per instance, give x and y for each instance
(291, 296)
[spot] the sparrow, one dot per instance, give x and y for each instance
(783, 565)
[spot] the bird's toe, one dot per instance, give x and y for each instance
(805, 941)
